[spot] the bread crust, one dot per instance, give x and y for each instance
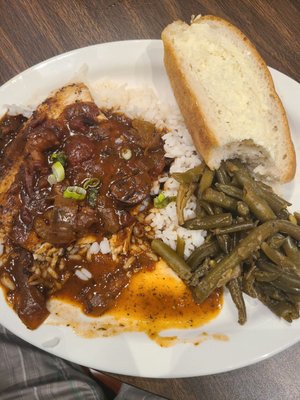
(203, 135)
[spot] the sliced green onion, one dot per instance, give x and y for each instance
(126, 153)
(59, 156)
(52, 180)
(75, 192)
(58, 171)
(161, 201)
(91, 183)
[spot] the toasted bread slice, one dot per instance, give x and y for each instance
(227, 97)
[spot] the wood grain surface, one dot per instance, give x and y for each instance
(34, 30)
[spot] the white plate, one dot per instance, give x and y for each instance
(140, 62)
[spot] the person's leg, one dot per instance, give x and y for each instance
(28, 373)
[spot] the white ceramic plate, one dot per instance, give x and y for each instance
(140, 63)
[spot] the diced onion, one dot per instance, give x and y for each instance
(75, 192)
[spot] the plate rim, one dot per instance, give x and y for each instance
(141, 42)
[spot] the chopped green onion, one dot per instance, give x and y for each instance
(75, 192)
(92, 197)
(126, 153)
(52, 180)
(91, 183)
(59, 156)
(58, 171)
(161, 201)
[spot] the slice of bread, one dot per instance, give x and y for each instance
(227, 97)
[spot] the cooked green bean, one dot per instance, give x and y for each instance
(280, 259)
(283, 309)
(292, 250)
(272, 197)
(286, 288)
(283, 214)
(170, 256)
(209, 222)
(288, 277)
(190, 176)
(207, 249)
(276, 241)
(224, 242)
(180, 246)
(248, 280)
(242, 209)
(264, 276)
(222, 176)
(230, 190)
(220, 199)
(243, 177)
(200, 272)
(243, 226)
(223, 271)
(238, 299)
(206, 206)
(257, 205)
(205, 181)
(184, 193)
(272, 292)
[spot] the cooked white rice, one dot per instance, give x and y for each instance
(137, 102)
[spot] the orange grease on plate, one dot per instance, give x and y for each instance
(157, 300)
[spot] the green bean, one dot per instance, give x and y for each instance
(248, 280)
(206, 206)
(209, 222)
(283, 214)
(276, 241)
(283, 309)
(293, 298)
(190, 176)
(278, 258)
(224, 270)
(180, 246)
(264, 276)
(230, 190)
(286, 288)
(170, 256)
(205, 181)
(184, 193)
(224, 242)
(242, 209)
(272, 292)
(217, 209)
(222, 176)
(237, 298)
(273, 197)
(257, 205)
(200, 272)
(284, 277)
(219, 199)
(243, 177)
(244, 226)
(207, 249)
(292, 250)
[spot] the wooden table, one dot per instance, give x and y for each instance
(32, 31)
